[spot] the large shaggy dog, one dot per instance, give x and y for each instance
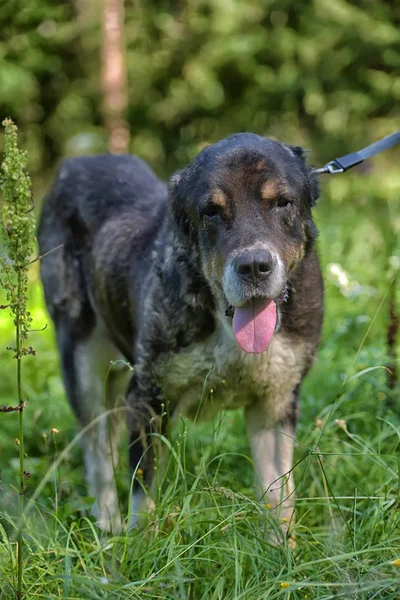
(214, 286)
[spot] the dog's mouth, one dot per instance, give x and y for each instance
(255, 322)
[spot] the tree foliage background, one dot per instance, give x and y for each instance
(319, 73)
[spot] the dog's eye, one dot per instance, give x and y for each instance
(211, 210)
(282, 202)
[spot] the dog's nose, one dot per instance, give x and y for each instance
(254, 265)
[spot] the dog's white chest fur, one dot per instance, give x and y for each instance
(209, 376)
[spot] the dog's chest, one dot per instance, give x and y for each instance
(209, 376)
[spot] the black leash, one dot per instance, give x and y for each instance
(344, 163)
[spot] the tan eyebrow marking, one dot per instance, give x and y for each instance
(271, 189)
(218, 198)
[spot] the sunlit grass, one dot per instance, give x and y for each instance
(206, 538)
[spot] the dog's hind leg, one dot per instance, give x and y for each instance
(85, 363)
(116, 386)
(144, 426)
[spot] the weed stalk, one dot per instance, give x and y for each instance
(17, 242)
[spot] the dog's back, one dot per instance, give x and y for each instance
(119, 193)
(91, 189)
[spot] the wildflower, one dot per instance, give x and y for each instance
(342, 424)
(268, 505)
(285, 585)
(319, 423)
(139, 472)
(54, 430)
(396, 562)
(17, 441)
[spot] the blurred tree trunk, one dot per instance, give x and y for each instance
(114, 76)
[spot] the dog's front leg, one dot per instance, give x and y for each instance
(272, 447)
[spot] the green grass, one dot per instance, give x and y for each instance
(206, 538)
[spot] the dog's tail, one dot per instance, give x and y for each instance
(63, 244)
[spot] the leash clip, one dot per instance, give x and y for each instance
(331, 167)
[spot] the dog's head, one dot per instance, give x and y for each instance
(243, 208)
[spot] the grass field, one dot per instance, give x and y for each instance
(206, 538)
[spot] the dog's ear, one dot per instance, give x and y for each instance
(312, 175)
(177, 204)
(314, 185)
(299, 151)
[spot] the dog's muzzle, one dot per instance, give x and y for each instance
(252, 283)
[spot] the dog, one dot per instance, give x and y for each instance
(211, 284)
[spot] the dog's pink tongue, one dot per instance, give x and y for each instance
(254, 325)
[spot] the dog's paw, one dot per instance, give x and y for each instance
(280, 531)
(107, 519)
(140, 506)
(292, 542)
